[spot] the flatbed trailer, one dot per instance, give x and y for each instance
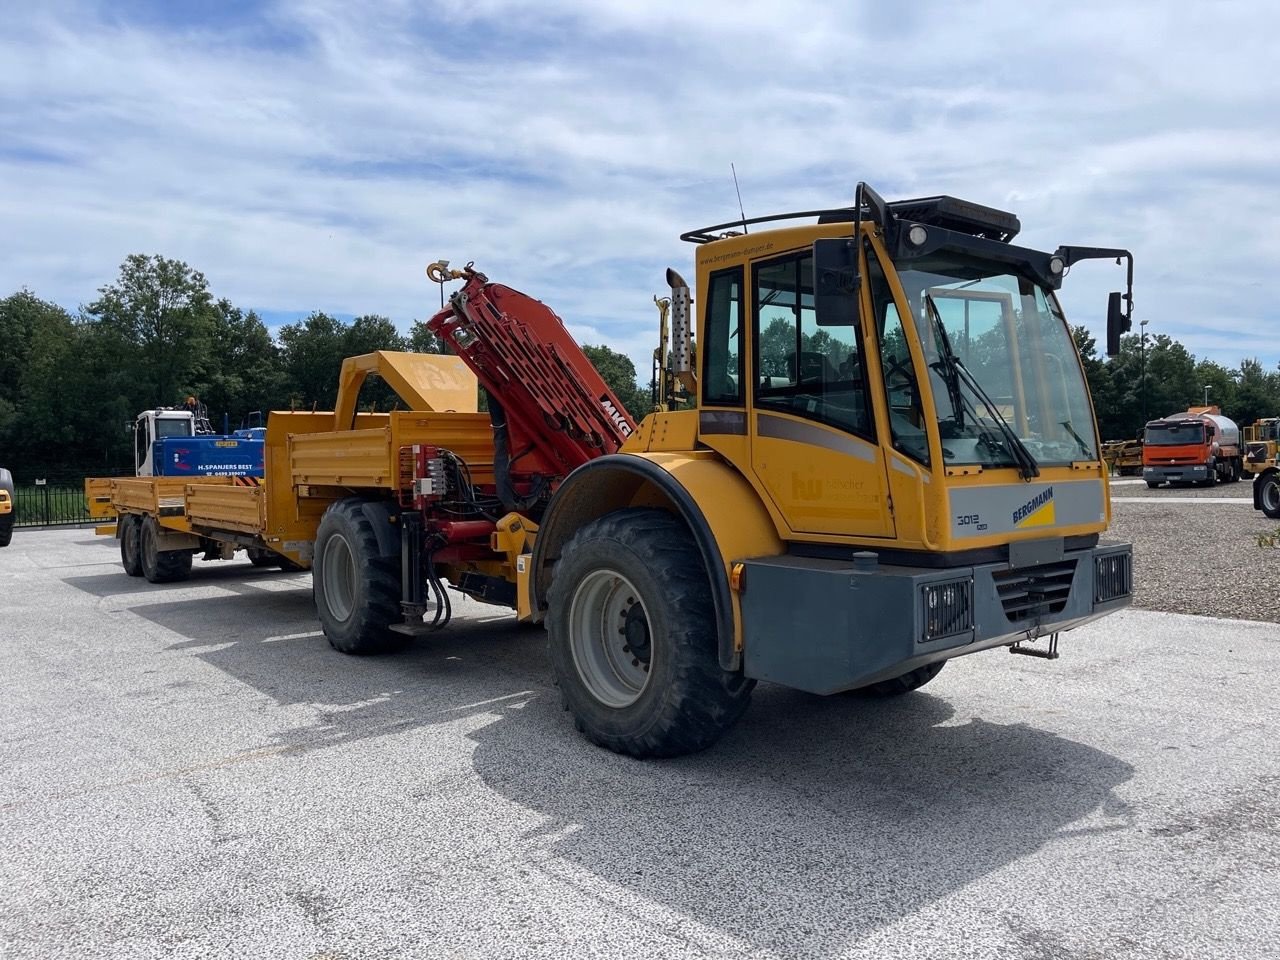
(308, 466)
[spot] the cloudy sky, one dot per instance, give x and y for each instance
(315, 155)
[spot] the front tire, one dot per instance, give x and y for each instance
(161, 566)
(1269, 496)
(1152, 484)
(356, 588)
(131, 544)
(633, 638)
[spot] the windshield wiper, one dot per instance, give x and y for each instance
(956, 370)
(948, 371)
(1084, 447)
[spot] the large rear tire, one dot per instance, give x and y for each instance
(1269, 495)
(131, 544)
(161, 566)
(356, 588)
(633, 638)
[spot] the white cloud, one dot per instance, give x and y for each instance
(317, 156)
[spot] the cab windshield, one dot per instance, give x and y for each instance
(998, 348)
(1175, 434)
(167, 427)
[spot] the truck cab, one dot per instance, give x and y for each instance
(1198, 446)
(180, 442)
(153, 425)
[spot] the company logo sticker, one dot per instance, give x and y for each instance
(1036, 512)
(614, 414)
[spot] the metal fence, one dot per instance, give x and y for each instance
(49, 504)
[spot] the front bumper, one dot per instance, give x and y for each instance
(826, 625)
(1177, 473)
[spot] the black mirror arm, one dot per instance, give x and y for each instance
(1072, 255)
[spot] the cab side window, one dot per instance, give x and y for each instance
(722, 374)
(802, 368)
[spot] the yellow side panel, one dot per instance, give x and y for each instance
(343, 458)
(662, 432)
(162, 496)
(97, 497)
(238, 508)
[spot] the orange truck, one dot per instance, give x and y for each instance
(1197, 446)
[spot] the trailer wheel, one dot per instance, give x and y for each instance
(1269, 495)
(161, 566)
(905, 683)
(131, 544)
(356, 588)
(632, 634)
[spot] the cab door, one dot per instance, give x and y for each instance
(142, 447)
(811, 425)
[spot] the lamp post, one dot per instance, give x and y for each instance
(1206, 394)
(1142, 367)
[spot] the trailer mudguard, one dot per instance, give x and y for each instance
(721, 509)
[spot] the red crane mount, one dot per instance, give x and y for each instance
(555, 409)
(551, 412)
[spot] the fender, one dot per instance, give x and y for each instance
(382, 514)
(721, 509)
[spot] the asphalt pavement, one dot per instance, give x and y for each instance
(190, 771)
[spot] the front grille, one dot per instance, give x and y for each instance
(1112, 576)
(1029, 592)
(948, 608)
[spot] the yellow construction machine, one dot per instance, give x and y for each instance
(891, 459)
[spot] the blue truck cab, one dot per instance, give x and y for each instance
(177, 442)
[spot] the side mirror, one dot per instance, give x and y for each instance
(1117, 322)
(835, 282)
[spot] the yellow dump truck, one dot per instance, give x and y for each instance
(893, 460)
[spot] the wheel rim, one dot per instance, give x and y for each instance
(609, 638)
(339, 578)
(1271, 496)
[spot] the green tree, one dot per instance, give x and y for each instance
(1221, 383)
(311, 354)
(161, 313)
(245, 372)
(422, 340)
(1171, 377)
(619, 373)
(1101, 386)
(1257, 392)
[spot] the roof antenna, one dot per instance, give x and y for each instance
(740, 210)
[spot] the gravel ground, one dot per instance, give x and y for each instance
(190, 771)
(1198, 558)
(1127, 487)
